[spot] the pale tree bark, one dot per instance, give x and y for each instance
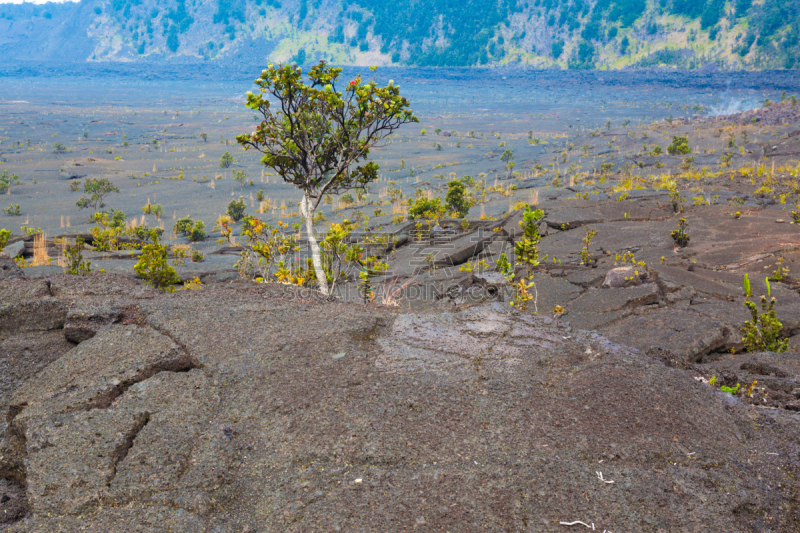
(307, 210)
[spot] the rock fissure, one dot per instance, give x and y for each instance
(12, 466)
(108, 396)
(13, 473)
(122, 449)
(171, 336)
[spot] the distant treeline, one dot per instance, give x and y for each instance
(575, 33)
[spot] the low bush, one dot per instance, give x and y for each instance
(74, 258)
(456, 198)
(679, 146)
(763, 332)
(426, 208)
(187, 227)
(236, 209)
(154, 269)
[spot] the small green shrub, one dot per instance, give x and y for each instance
(154, 269)
(679, 235)
(179, 253)
(146, 234)
(240, 176)
(105, 237)
(183, 226)
(4, 236)
(456, 200)
(370, 267)
(763, 332)
(75, 263)
(117, 219)
(527, 254)
(198, 232)
(677, 201)
(7, 180)
(153, 209)
(13, 210)
(425, 208)
(187, 227)
(680, 145)
(503, 265)
(95, 191)
(527, 248)
(226, 160)
(236, 209)
(590, 233)
(731, 390)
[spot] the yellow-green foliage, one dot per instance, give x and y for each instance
(104, 235)
(4, 236)
(153, 267)
(74, 258)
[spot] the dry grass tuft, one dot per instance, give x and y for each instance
(40, 257)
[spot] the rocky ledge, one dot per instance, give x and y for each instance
(258, 408)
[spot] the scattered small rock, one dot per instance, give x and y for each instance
(626, 276)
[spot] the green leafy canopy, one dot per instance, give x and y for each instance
(316, 132)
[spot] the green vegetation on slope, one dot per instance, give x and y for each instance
(566, 33)
(467, 34)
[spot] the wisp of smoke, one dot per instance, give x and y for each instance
(731, 105)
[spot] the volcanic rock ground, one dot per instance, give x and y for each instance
(258, 407)
(220, 410)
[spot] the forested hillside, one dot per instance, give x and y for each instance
(752, 34)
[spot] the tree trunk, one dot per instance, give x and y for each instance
(307, 211)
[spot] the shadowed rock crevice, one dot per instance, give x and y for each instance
(12, 458)
(13, 502)
(84, 321)
(107, 397)
(121, 451)
(168, 334)
(13, 475)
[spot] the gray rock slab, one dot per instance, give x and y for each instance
(226, 410)
(8, 268)
(27, 305)
(696, 280)
(14, 249)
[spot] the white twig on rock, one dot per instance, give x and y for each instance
(600, 477)
(575, 523)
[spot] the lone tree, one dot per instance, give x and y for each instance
(508, 159)
(317, 134)
(226, 160)
(7, 180)
(95, 190)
